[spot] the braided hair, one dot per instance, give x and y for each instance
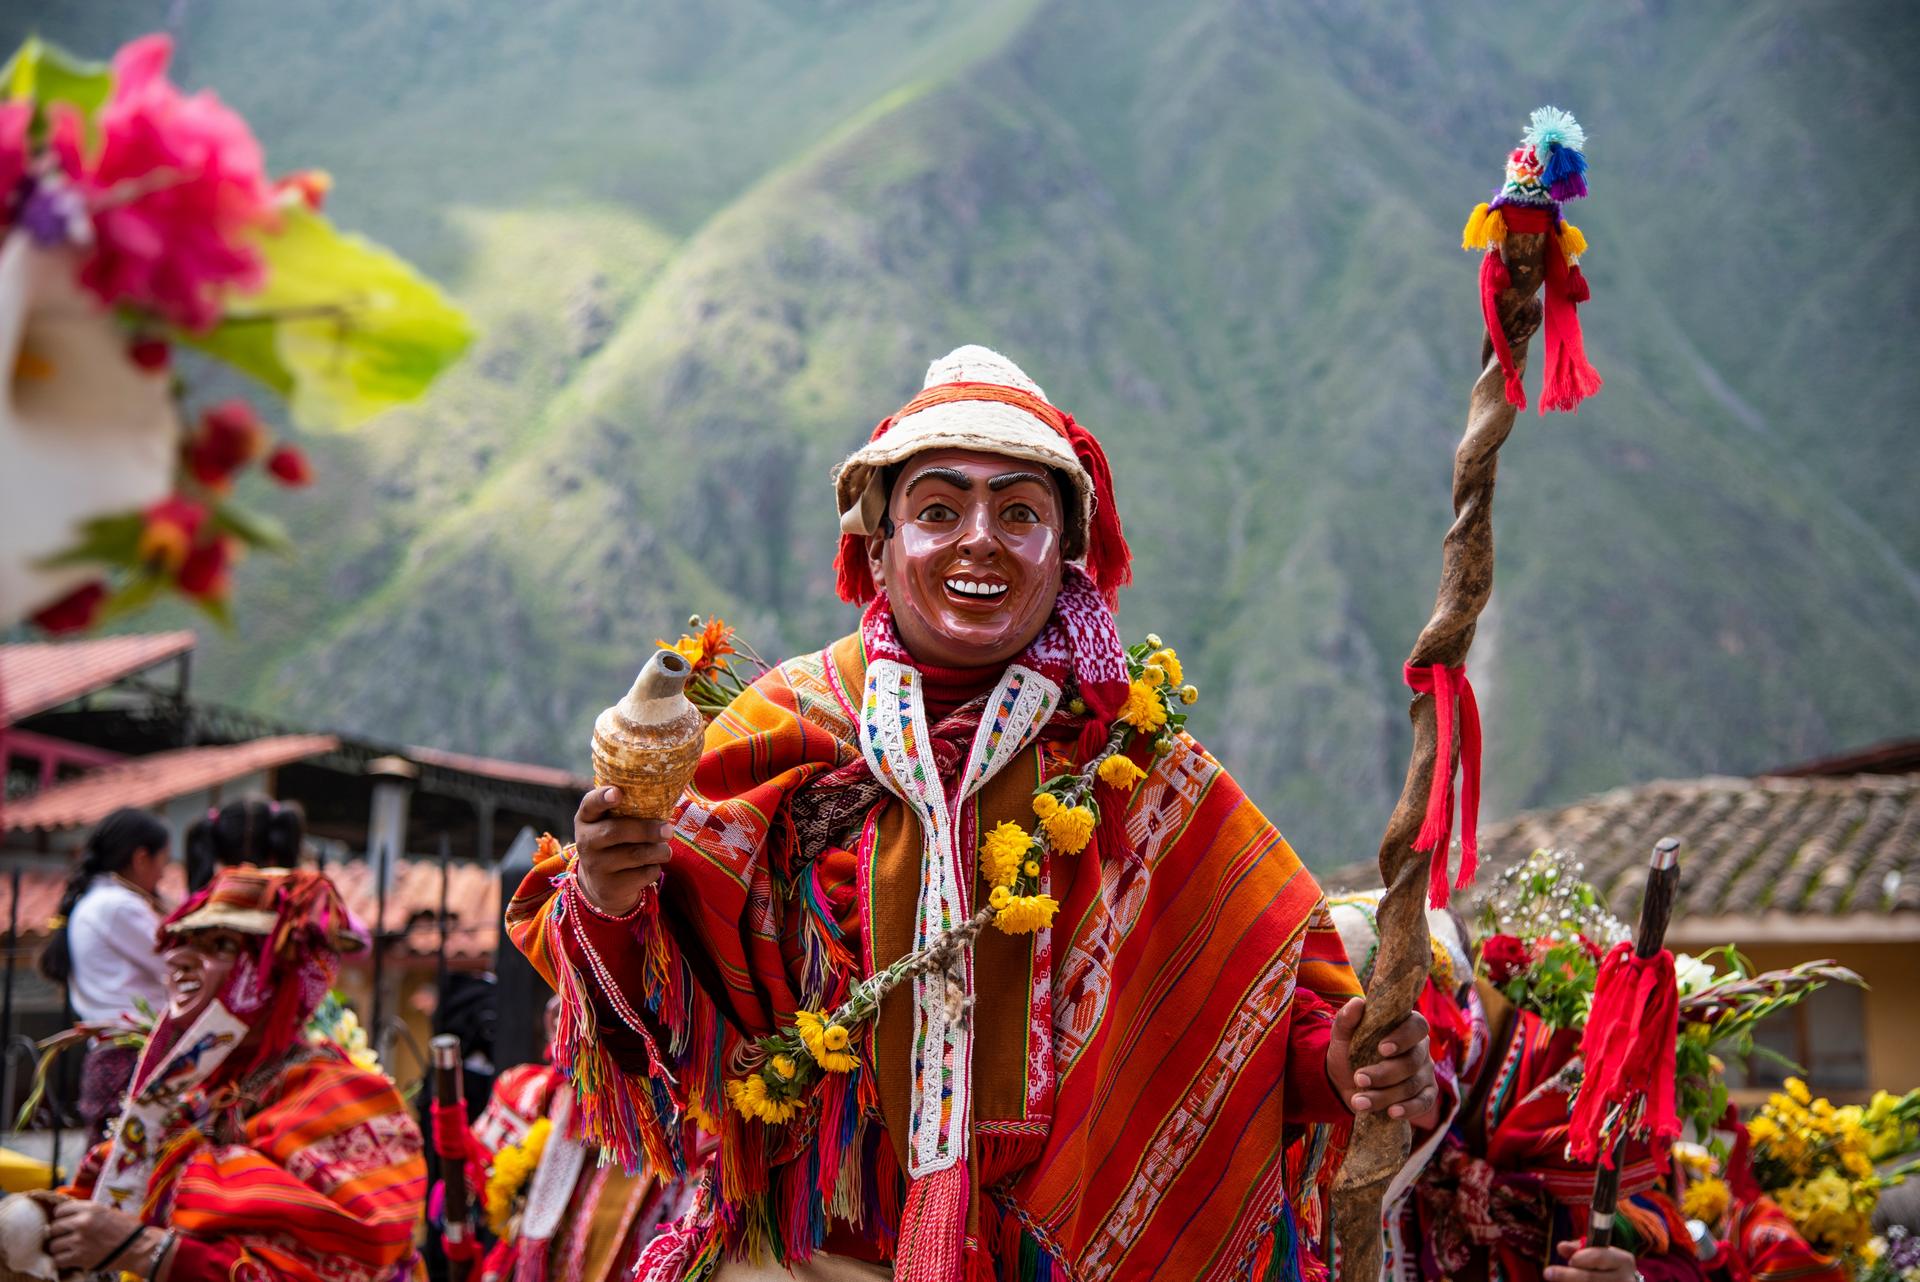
(110, 848)
(253, 830)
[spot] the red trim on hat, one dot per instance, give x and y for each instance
(948, 393)
(1109, 560)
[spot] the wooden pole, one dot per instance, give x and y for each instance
(1379, 1145)
(1656, 909)
(449, 1093)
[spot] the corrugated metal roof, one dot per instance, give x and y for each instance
(156, 779)
(38, 675)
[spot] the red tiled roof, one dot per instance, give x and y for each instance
(413, 904)
(35, 676)
(152, 780)
(1814, 847)
(473, 904)
(1894, 757)
(494, 768)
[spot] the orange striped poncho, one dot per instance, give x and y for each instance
(1148, 1091)
(323, 1179)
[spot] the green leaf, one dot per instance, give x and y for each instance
(45, 74)
(136, 594)
(105, 540)
(343, 328)
(217, 609)
(256, 529)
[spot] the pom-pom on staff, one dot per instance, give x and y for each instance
(1629, 1045)
(1529, 248)
(1546, 170)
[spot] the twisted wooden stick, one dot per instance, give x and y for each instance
(1379, 1145)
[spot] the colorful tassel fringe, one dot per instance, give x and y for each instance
(1570, 377)
(1629, 1047)
(1486, 227)
(933, 1227)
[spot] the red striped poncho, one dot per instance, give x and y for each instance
(320, 1175)
(1149, 1088)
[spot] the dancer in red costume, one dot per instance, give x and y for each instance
(1151, 1084)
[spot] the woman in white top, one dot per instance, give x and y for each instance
(103, 946)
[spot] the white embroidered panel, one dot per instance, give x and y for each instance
(898, 744)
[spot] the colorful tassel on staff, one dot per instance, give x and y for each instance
(1629, 1047)
(1453, 702)
(1547, 168)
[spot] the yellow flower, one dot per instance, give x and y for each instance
(1118, 771)
(701, 1118)
(1000, 854)
(1143, 709)
(1154, 675)
(1070, 829)
(999, 896)
(692, 649)
(1169, 663)
(750, 1099)
(1189, 695)
(1044, 804)
(1024, 914)
(1798, 1090)
(1031, 868)
(1153, 639)
(783, 1067)
(512, 1167)
(826, 1042)
(1707, 1199)
(1763, 1130)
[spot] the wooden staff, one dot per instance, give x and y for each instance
(1656, 909)
(1380, 1143)
(449, 1097)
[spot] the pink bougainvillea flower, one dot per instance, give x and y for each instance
(205, 575)
(150, 354)
(177, 188)
(288, 465)
(14, 119)
(230, 437)
(76, 610)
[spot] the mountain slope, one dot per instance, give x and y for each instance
(1224, 235)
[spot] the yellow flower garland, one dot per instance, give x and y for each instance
(750, 1098)
(825, 1041)
(1118, 771)
(1070, 828)
(512, 1167)
(1707, 1199)
(1143, 710)
(1011, 864)
(1002, 853)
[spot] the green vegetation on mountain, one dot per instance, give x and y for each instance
(708, 246)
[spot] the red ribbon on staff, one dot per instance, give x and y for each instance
(1452, 700)
(457, 1147)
